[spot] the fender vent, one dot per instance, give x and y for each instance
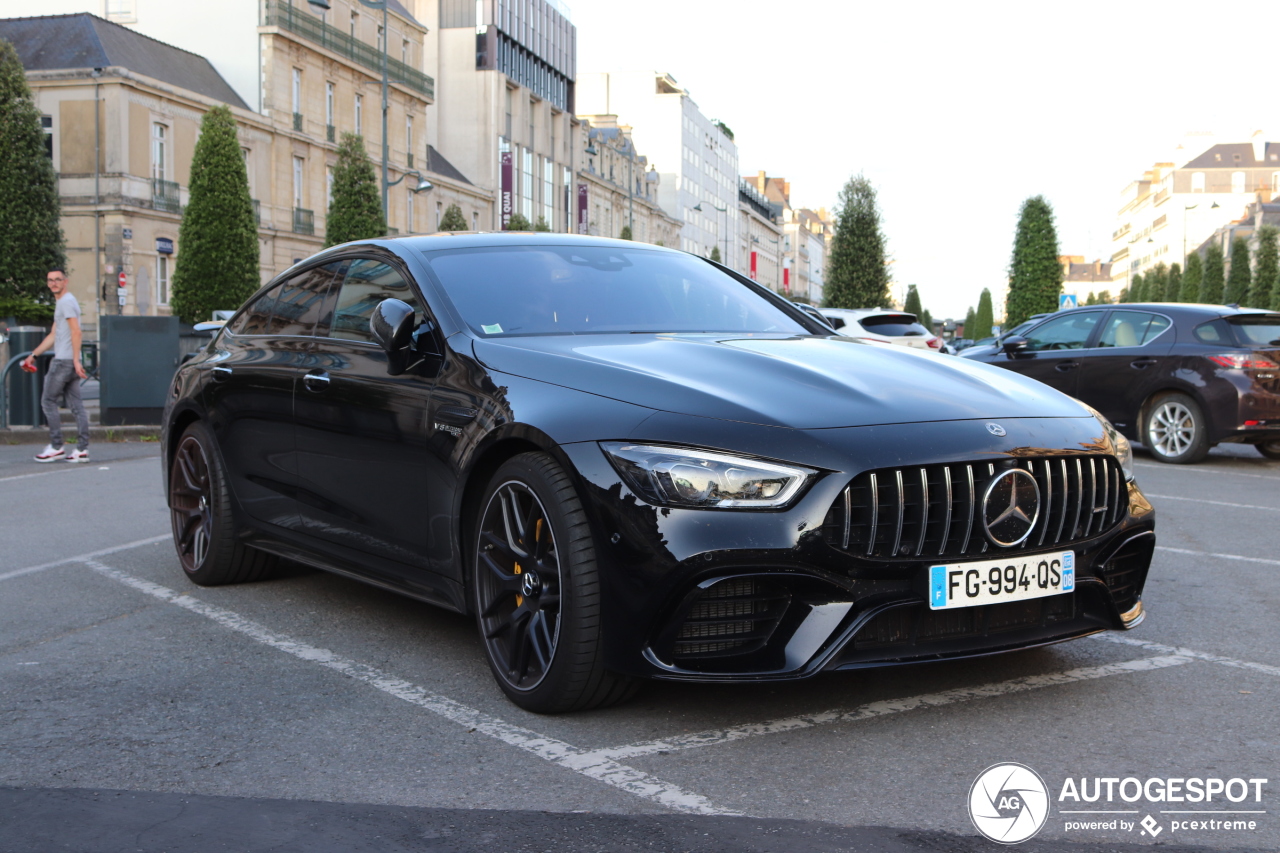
(733, 617)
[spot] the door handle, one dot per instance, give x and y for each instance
(316, 381)
(1064, 366)
(1142, 363)
(221, 374)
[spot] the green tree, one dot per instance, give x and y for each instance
(625, 234)
(1211, 287)
(1156, 282)
(453, 220)
(1240, 279)
(541, 224)
(355, 213)
(926, 320)
(968, 322)
(1035, 275)
(217, 266)
(1123, 296)
(31, 241)
(517, 222)
(1138, 288)
(1090, 299)
(1266, 268)
(857, 275)
(982, 318)
(1173, 285)
(715, 254)
(1192, 279)
(912, 303)
(1104, 298)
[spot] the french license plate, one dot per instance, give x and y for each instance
(992, 581)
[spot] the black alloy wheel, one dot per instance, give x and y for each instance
(1269, 449)
(536, 591)
(1175, 430)
(200, 510)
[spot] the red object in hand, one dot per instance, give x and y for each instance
(29, 366)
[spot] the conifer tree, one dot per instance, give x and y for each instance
(1123, 297)
(453, 220)
(1155, 283)
(926, 320)
(1173, 285)
(217, 265)
(982, 318)
(625, 234)
(1211, 287)
(1266, 268)
(1137, 288)
(911, 304)
(968, 322)
(517, 222)
(715, 254)
(541, 224)
(1104, 298)
(356, 210)
(31, 241)
(1240, 279)
(856, 274)
(1035, 275)
(1090, 299)
(1192, 279)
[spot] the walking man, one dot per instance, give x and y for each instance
(65, 373)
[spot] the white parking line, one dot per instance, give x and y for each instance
(889, 706)
(1215, 503)
(549, 749)
(1218, 556)
(80, 558)
(1265, 668)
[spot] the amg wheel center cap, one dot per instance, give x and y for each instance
(530, 584)
(1010, 507)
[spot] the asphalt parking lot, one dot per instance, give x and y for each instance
(310, 712)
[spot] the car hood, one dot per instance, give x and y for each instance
(797, 382)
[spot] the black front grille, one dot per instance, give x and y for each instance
(1125, 572)
(906, 626)
(932, 511)
(733, 617)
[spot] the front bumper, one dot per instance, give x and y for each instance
(763, 596)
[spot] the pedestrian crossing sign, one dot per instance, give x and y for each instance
(1067, 300)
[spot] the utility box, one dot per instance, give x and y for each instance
(25, 388)
(139, 356)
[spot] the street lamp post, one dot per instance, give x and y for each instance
(725, 210)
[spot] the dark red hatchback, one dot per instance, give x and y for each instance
(1179, 378)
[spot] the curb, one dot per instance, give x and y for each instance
(40, 435)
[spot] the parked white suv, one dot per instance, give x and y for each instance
(895, 327)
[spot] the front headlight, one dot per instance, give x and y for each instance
(1124, 451)
(687, 477)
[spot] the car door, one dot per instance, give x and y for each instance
(363, 460)
(1119, 372)
(1053, 351)
(249, 397)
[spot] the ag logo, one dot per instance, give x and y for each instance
(1008, 803)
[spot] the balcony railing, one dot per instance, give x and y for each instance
(304, 221)
(298, 22)
(297, 121)
(165, 195)
(257, 211)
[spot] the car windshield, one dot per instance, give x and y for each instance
(893, 325)
(1255, 331)
(573, 290)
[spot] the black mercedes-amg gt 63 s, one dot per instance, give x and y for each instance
(629, 462)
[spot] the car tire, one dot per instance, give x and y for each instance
(1175, 430)
(1269, 449)
(536, 591)
(204, 531)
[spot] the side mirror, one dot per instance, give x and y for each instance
(1014, 344)
(392, 325)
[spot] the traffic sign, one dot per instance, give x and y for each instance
(122, 280)
(1067, 300)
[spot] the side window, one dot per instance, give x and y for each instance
(302, 300)
(255, 318)
(1213, 332)
(367, 283)
(1070, 332)
(836, 322)
(1132, 329)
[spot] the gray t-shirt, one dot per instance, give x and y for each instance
(66, 308)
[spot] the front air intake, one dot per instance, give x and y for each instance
(731, 617)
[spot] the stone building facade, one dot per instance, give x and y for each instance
(617, 188)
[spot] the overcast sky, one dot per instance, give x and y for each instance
(956, 111)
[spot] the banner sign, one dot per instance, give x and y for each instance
(582, 208)
(506, 201)
(753, 266)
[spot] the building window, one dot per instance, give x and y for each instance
(297, 90)
(360, 114)
(159, 151)
(439, 213)
(475, 221)
(46, 124)
(548, 193)
(404, 51)
(328, 186)
(1237, 182)
(533, 107)
(408, 211)
(526, 185)
(1197, 182)
(507, 98)
(382, 39)
(408, 139)
(121, 11)
(162, 280)
(328, 104)
(355, 24)
(298, 164)
(1275, 182)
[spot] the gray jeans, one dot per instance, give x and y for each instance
(62, 380)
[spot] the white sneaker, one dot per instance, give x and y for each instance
(78, 456)
(51, 454)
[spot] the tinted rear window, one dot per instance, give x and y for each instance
(571, 290)
(1255, 331)
(893, 325)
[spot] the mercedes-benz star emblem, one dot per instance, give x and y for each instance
(1010, 507)
(529, 584)
(995, 429)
